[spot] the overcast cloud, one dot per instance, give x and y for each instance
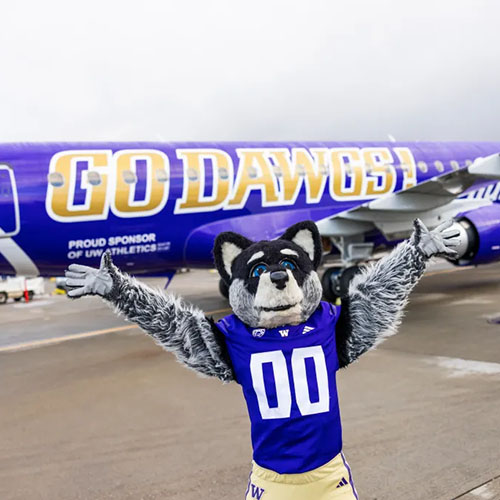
(259, 70)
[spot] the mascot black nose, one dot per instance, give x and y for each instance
(279, 278)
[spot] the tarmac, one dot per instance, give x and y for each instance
(91, 408)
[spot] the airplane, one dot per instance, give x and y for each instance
(159, 206)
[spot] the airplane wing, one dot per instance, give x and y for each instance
(432, 201)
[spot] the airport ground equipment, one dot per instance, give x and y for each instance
(19, 288)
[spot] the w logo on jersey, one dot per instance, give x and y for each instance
(284, 333)
(257, 492)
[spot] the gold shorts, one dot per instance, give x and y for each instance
(328, 482)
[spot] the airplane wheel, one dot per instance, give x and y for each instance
(223, 289)
(330, 283)
(335, 282)
(3, 297)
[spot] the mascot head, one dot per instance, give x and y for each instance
(272, 283)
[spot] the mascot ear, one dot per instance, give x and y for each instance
(227, 247)
(306, 235)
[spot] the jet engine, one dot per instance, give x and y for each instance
(480, 235)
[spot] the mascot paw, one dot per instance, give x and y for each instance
(440, 241)
(84, 280)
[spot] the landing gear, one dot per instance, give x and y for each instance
(330, 283)
(223, 289)
(336, 280)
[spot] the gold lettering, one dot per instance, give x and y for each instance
(379, 168)
(316, 175)
(254, 172)
(60, 199)
(301, 168)
(156, 192)
(408, 165)
(346, 162)
(195, 179)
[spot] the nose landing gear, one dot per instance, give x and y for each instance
(336, 280)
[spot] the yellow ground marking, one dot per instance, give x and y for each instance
(75, 336)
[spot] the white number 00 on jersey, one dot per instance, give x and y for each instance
(282, 382)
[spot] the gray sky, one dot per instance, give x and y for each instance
(265, 69)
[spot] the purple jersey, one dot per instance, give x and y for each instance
(288, 376)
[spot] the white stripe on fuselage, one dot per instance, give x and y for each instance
(16, 257)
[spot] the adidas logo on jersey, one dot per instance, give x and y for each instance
(307, 329)
(343, 482)
(258, 332)
(284, 333)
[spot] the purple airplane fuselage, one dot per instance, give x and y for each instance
(159, 206)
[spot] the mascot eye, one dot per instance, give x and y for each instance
(288, 264)
(258, 270)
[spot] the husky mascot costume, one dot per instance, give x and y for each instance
(283, 345)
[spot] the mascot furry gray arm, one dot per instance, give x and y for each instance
(373, 309)
(176, 326)
(272, 283)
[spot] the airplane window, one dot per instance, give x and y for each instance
(192, 174)
(93, 178)
(129, 177)
(368, 167)
(56, 179)
(161, 175)
(422, 166)
(252, 172)
(454, 165)
(439, 166)
(224, 174)
(301, 170)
